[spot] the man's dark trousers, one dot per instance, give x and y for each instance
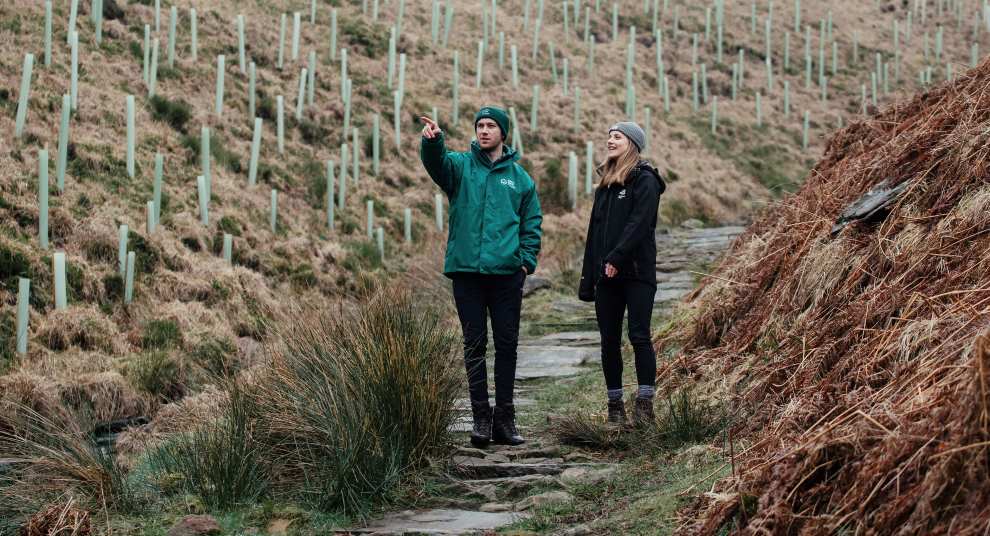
(477, 297)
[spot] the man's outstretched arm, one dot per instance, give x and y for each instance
(436, 159)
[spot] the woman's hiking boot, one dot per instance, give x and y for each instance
(616, 413)
(643, 412)
(481, 433)
(504, 430)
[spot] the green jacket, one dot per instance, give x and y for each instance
(495, 214)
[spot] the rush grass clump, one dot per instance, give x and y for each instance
(356, 398)
(860, 357)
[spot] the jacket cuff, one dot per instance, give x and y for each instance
(615, 258)
(530, 266)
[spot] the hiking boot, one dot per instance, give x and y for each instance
(504, 430)
(616, 413)
(643, 412)
(481, 433)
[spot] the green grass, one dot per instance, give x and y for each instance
(757, 152)
(161, 335)
(174, 112)
(158, 374)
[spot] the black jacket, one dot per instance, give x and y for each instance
(622, 229)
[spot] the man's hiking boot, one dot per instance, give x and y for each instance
(481, 433)
(643, 412)
(616, 413)
(504, 430)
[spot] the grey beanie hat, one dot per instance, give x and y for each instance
(632, 131)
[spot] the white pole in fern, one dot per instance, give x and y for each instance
(204, 159)
(273, 216)
(301, 97)
(73, 13)
(131, 135)
(48, 33)
(438, 211)
(347, 107)
(97, 11)
(280, 123)
(221, 62)
(156, 186)
(572, 171)
(158, 16)
(241, 56)
(311, 85)
(173, 19)
(343, 72)
(23, 299)
(63, 143)
(331, 181)
(515, 67)
(333, 34)
(407, 225)
(153, 72)
(534, 109)
(391, 56)
(356, 160)
(479, 66)
(455, 89)
(43, 198)
(146, 57)
(342, 198)
(129, 278)
(295, 36)
(280, 61)
(122, 233)
(150, 217)
(252, 91)
(194, 35)
(397, 119)
(255, 152)
(58, 261)
(370, 210)
(228, 248)
(22, 98)
(589, 166)
(380, 242)
(312, 11)
(376, 144)
(448, 22)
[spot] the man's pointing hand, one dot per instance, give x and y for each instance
(430, 129)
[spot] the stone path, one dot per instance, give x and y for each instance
(500, 485)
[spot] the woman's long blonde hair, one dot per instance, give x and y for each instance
(616, 171)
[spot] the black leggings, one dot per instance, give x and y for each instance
(477, 296)
(612, 298)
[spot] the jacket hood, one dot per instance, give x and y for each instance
(509, 155)
(645, 167)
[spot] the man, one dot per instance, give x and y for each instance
(493, 242)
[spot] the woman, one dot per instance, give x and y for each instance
(619, 270)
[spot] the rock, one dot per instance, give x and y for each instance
(494, 507)
(439, 522)
(495, 457)
(552, 361)
(550, 451)
(278, 527)
(579, 457)
(549, 497)
(692, 223)
(195, 526)
(481, 469)
(580, 530)
(488, 491)
(534, 283)
(470, 452)
(586, 476)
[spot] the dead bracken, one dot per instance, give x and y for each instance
(859, 365)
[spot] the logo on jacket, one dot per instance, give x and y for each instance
(508, 182)
(622, 194)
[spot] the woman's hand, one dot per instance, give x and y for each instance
(611, 271)
(430, 129)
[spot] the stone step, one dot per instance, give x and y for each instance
(479, 468)
(439, 521)
(551, 361)
(567, 338)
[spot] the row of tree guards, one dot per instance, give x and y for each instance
(575, 14)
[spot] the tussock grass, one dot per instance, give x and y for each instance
(682, 418)
(355, 398)
(219, 462)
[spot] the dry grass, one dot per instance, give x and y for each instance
(861, 360)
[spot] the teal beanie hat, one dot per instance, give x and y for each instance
(496, 114)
